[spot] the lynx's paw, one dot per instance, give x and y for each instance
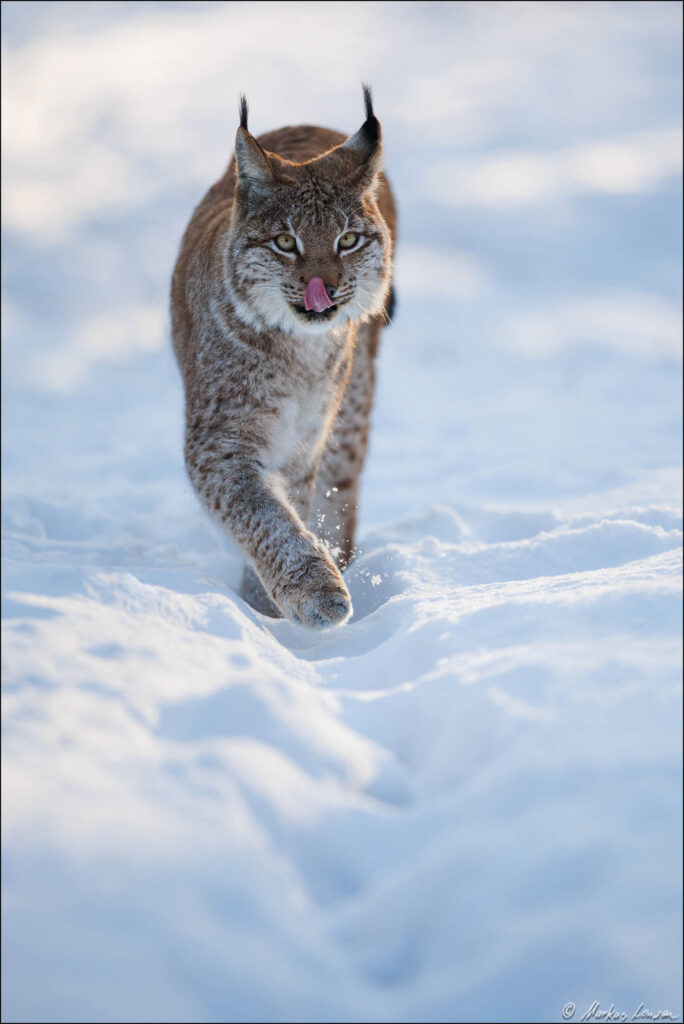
(316, 597)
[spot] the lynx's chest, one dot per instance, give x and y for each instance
(300, 427)
(306, 405)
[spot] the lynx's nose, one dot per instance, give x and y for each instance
(316, 296)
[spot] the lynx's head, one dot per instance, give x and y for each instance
(309, 249)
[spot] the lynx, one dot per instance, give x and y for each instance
(281, 288)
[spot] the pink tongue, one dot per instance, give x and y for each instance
(316, 297)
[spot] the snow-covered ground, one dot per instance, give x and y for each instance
(464, 805)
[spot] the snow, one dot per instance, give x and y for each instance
(464, 804)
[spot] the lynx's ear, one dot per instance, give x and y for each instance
(254, 170)
(365, 147)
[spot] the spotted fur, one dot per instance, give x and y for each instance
(277, 400)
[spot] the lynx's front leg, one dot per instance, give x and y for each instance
(296, 571)
(251, 588)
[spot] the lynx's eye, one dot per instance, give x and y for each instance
(348, 240)
(286, 243)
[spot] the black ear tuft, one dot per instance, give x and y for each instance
(368, 100)
(370, 127)
(365, 148)
(243, 111)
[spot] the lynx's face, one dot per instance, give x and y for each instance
(309, 249)
(334, 238)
